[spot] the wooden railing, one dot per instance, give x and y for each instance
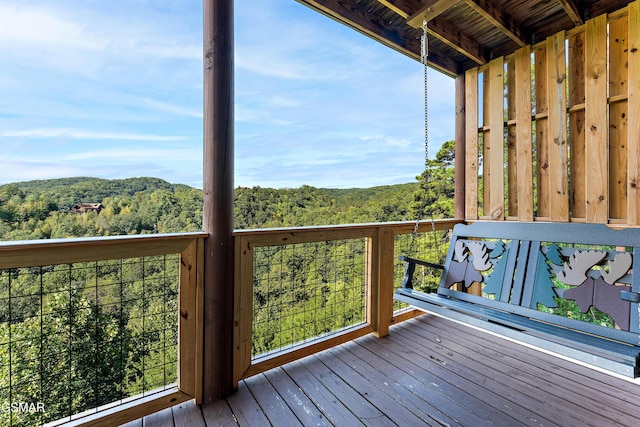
(380, 266)
(380, 262)
(16, 255)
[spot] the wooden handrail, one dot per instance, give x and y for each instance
(19, 254)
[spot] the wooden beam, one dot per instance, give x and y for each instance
(217, 187)
(430, 10)
(404, 8)
(571, 8)
(457, 40)
(397, 37)
(492, 13)
(438, 27)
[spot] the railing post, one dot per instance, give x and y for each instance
(380, 260)
(190, 326)
(218, 199)
(243, 308)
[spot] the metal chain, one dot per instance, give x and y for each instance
(424, 53)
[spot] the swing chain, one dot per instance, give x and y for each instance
(424, 53)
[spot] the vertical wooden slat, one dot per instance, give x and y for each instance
(243, 308)
(460, 155)
(471, 142)
(578, 177)
(380, 253)
(596, 120)
(633, 140)
(512, 150)
(524, 188)
(557, 128)
(189, 343)
(485, 145)
(495, 148)
(618, 85)
(542, 146)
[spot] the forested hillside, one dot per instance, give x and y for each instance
(77, 336)
(42, 209)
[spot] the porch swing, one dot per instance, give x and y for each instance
(517, 267)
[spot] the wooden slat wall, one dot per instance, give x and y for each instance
(579, 127)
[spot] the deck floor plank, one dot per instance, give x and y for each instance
(483, 402)
(245, 407)
(461, 356)
(335, 410)
(559, 367)
(272, 404)
(298, 401)
(188, 414)
(367, 389)
(529, 365)
(162, 418)
(420, 397)
(218, 414)
(428, 372)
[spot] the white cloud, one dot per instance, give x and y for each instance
(166, 155)
(82, 134)
(174, 109)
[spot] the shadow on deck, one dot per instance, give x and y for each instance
(428, 371)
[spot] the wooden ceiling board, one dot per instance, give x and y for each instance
(466, 33)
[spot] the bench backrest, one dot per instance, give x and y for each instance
(553, 272)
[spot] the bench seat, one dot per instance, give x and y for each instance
(525, 274)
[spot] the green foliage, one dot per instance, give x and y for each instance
(435, 196)
(84, 336)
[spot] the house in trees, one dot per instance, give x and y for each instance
(81, 208)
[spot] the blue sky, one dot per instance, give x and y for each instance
(114, 89)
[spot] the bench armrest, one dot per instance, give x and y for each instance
(410, 267)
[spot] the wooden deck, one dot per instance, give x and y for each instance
(429, 371)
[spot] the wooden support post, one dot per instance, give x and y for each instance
(218, 199)
(460, 161)
(380, 253)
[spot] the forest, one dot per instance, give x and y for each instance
(80, 336)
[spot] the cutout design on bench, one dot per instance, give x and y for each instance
(535, 282)
(545, 290)
(471, 259)
(595, 286)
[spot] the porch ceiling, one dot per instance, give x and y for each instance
(462, 33)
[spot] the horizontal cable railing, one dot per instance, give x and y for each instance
(301, 290)
(90, 328)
